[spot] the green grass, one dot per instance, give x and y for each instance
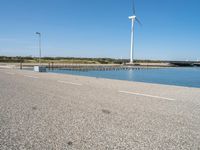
(61, 60)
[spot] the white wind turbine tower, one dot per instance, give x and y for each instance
(133, 18)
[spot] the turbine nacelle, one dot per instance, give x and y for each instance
(132, 17)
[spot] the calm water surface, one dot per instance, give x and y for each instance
(189, 77)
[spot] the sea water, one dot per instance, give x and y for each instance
(189, 77)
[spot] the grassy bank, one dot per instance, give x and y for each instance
(72, 60)
(95, 61)
(61, 60)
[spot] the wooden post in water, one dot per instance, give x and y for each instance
(21, 61)
(21, 65)
(49, 66)
(52, 65)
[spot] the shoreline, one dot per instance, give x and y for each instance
(63, 75)
(83, 73)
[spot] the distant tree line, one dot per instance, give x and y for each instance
(30, 59)
(12, 59)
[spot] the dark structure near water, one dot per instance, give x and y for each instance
(185, 63)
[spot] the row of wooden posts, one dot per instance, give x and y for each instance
(52, 66)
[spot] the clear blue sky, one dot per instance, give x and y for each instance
(100, 28)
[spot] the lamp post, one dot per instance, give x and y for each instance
(39, 68)
(39, 34)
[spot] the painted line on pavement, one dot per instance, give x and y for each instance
(10, 73)
(30, 76)
(147, 95)
(66, 82)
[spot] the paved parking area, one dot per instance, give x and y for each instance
(54, 111)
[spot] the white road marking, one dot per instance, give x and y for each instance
(30, 76)
(10, 73)
(147, 95)
(65, 82)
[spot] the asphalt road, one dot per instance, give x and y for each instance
(43, 111)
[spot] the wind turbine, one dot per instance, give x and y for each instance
(133, 18)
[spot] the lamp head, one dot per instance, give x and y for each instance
(38, 33)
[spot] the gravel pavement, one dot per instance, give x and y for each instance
(47, 111)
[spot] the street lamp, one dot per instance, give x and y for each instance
(39, 68)
(39, 34)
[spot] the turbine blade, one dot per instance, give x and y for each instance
(133, 7)
(138, 21)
